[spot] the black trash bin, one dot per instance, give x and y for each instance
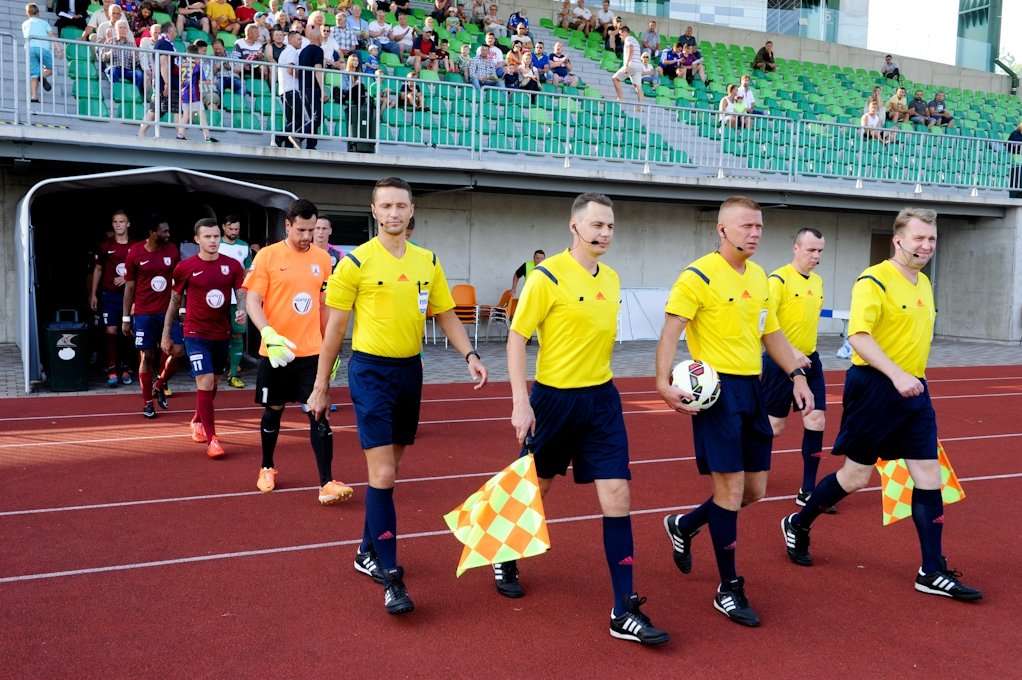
(67, 345)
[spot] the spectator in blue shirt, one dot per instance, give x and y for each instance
(40, 57)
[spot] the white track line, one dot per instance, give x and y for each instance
(446, 421)
(411, 480)
(356, 541)
(436, 401)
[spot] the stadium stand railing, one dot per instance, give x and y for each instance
(553, 127)
(13, 78)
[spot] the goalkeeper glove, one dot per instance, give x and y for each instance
(278, 348)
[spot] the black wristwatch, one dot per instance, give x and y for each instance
(476, 354)
(797, 372)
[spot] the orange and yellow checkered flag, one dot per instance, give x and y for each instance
(896, 486)
(503, 520)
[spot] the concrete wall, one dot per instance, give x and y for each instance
(792, 47)
(481, 238)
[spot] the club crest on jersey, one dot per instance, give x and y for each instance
(120, 269)
(225, 270)
(315, 270)
(166, 262)
(158, 284)
(215, 299)
(302, 303)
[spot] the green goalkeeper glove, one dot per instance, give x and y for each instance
(278, 348)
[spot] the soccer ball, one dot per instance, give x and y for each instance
(700, 379)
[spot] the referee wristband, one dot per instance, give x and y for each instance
(473, 353)
(126, 319)
(797, 372)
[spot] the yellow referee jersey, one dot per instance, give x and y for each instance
(389, 297)
(797, 301)
(575, 314)
(728, 313)
(897, 313)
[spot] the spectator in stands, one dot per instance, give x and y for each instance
(359, 25)
(873, 124)
(493, 23)
(614, 42)
(166, 83)
(890, 70)
(541, 60)
(581, 18)
(897, 107)
(650, 74)
(302, 19)
(105, 28)
(687, 38)
(141, 21)
(288, 87)
(443, 56)
(877, 98)
(1015, 150)
(764, 59)
(96, 18)
(344, 36)
(747, 97)
(650, 41)
(512, 62)
(123, 63)
(463, 62)
(918, 111)
(631, 67)
(453, 21)
(605, 19)
(208, 83)
(515, 19)
(246, 13)
(692, 63)
(379, 34)
(440, 8)
(937, 110)
(403, 35)
(278, 41)
(564, 12)
(671, 61)
(313, 92)
(191, 95)
(225, 72)
(145, 57)
(522, 36)
(399, 7)
(496, 55)
(221, 16)
(352, 90)
(290, 7)
(250, 51)
(728, 109)
(423, 53)
(40, 52)
(560, 65)
(477, 12)
(331, 51)
(528, 75)
(192, 14)
(411, 96)
(482, 70)
(70, 13)
(372, 61)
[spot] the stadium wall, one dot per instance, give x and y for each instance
(801, 49)
(483, 236)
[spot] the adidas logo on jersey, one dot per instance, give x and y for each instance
(402, 278)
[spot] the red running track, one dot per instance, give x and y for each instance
(129, 554)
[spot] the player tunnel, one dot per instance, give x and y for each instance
(61, 220)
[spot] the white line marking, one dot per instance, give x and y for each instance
(355, 541)
(411, 480)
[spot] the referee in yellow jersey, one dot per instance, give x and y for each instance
(574, 411)
(722, 301)
(388, 283)
(887, 410)
(796, 296)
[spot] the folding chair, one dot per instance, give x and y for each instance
(466, 309)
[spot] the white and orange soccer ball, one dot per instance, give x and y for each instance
(700, 379)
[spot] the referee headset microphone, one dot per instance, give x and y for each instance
(594, 242)
(723, 233)
(907, 252)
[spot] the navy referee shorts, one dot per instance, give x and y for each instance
(734, 435)
(777, 386)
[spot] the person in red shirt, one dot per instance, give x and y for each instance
(148, 270)
(205, 281)
(107, 296)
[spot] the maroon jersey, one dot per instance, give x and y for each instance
(151, 271)
(110, 256)
(207, 286)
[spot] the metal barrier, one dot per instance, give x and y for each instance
(369, 112)
(11, 53)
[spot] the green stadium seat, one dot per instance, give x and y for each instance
(131, 111)
(71, 33)
(93, 107)
(82, 69)
(86, 88)
(246, 121)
